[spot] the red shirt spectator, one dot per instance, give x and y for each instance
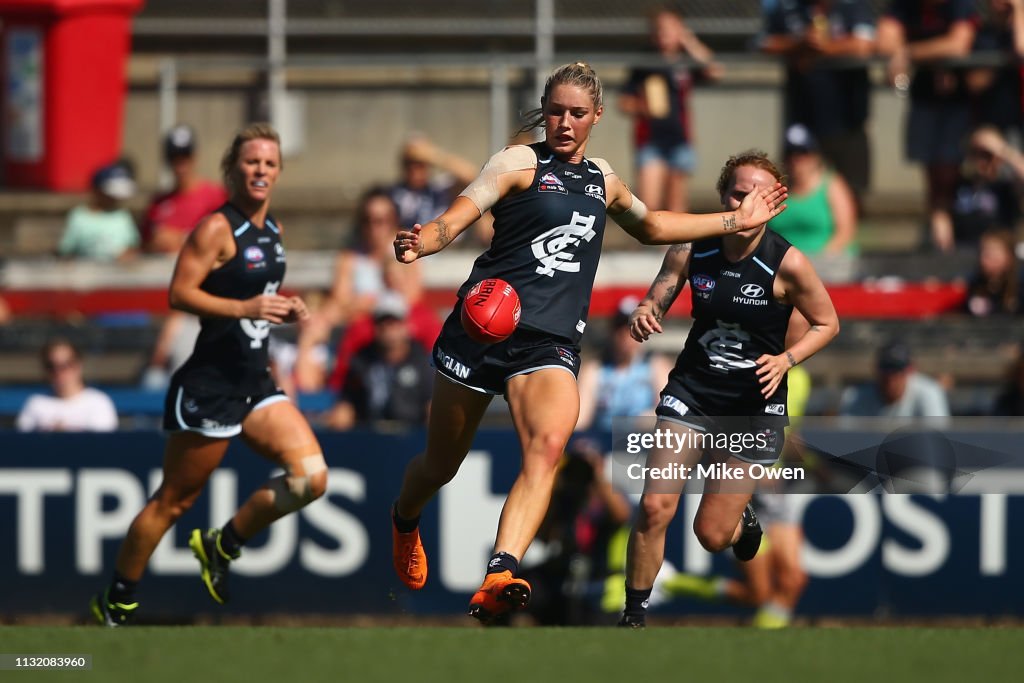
(181, 209)
(172, 215)
(424, 326)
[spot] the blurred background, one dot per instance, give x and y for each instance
(898, 124)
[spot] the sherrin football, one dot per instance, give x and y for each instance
(490, 311)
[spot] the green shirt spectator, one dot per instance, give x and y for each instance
(102, 229)
(821, 213)
(99, 235)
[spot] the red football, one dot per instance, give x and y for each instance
(490, 311)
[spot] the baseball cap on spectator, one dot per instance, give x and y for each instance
(114, 181)
(627, 305)
(894, 357)
(180, 141)
(390, 306)
(799, 140)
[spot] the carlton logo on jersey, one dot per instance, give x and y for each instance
(258, 330)
(753, 295)
(549, 182)
(724, 347)
(554, 248)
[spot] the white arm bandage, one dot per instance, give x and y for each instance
(483, 191)
(633, 217)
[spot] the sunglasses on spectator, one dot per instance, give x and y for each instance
(979, 153)
(57, 366)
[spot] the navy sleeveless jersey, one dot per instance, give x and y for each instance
(736, 320)
(230, 355)
(547, 243)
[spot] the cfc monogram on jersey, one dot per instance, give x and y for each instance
(259, 330)
(556, 248)
(547, 243)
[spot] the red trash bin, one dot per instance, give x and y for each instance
(63, 93)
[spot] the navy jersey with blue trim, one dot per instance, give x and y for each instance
(736, 320)
(547, 244)
(230, 355)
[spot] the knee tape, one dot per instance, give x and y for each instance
(294, 490)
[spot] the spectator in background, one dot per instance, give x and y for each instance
(284, 356)
(360, 272)
(419, 197)
(917, 35)
(998, 89)
(822, 213)
(1010, 400)
(424, 325)
(658, 99)
(172, 215)
(73, 407)
(995, 288)
(985, 198)
(625, 382)
(827, 96)
(899, 390)
(388, 380)
(173, 346)
(102, 229)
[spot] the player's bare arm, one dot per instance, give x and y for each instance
(669, 227)
(798, 284)
(509, 171)
(667, 285)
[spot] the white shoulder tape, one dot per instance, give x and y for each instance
(483, 191)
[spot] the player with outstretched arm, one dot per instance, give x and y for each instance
(549, 203)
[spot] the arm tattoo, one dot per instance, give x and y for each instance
(443, 236)
(666, 302)
(666, 285)
(814, 328)
(792, 361)
(660, 281)
(729, 222)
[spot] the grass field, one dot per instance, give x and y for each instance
(426, 655)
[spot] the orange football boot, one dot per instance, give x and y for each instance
(409, 558)
(501, 593)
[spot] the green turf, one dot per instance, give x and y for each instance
(426, 655)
